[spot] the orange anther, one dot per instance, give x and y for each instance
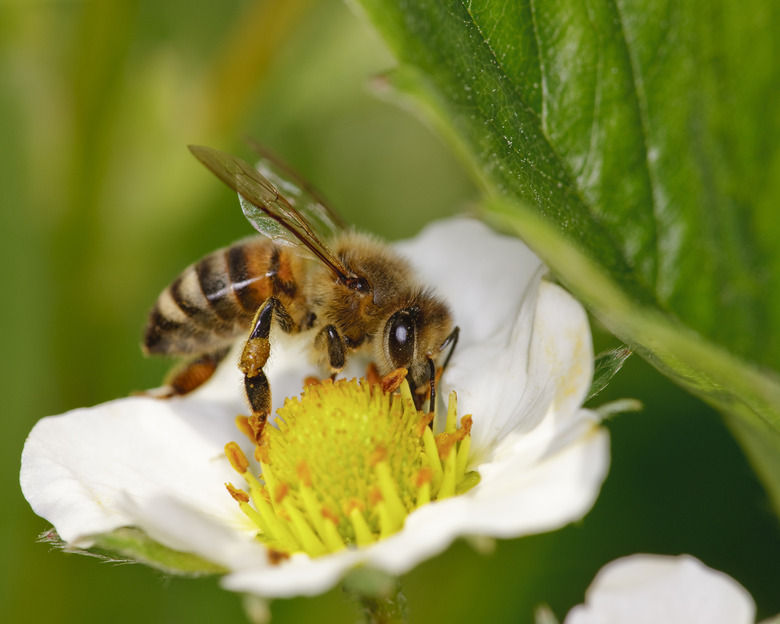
(374, 496)
(238, 494)
(351, 504)
(236, 457)
(424, 423)
(329, 514)
(425, 475)
(393, 381)
(281, 492)
(379, 454)
(242, 423)
(275, 557)
(304, 474)
(372, 374)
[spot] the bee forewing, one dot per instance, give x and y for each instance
(321, 218)
(301, 193)
(263, 203)
(271, 228)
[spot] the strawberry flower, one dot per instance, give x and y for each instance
(145, 472)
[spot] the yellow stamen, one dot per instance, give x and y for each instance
(464, 447)
(363, 535)
(312, 508)
(395, 507)
(447, 488)
(452, 410)
(432, 457)
(309, 540)
(345, 463)
(270, 481)
(330, 534)
(276, 529)
(423, 482)
(470, 479)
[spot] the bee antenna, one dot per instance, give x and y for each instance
(453, 339)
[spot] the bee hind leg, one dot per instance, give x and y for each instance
(194, 373)
(255, 355)
(188, 375)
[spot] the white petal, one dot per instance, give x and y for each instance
(300, 575)
(482, 275)
(652, 588)
(77, 468)
(180, 526)
(545, 369)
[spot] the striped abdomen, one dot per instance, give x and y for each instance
(214, 300)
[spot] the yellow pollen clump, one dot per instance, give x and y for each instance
(345, 463)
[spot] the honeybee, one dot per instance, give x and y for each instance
(352, 293)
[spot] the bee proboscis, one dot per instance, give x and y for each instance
(307, 272)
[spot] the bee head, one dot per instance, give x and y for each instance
(414, 336)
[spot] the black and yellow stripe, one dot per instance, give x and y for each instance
(214, 300)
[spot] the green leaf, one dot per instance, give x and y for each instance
(634, 146)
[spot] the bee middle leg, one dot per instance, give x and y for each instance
(255, 355)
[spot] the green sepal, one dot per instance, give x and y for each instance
(131, 545)
(606, 366)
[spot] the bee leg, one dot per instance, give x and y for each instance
(193, 373)
(421, 393)
(432, 381)
(255, 355)
(328, 340)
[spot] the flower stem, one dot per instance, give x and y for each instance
(384, 610)
(379, 596)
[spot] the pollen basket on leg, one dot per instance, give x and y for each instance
(344, 464)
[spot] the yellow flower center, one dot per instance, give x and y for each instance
(345, 464)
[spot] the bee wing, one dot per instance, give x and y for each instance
(298, 192)
(266, 208)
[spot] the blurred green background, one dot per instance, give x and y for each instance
(102, 205)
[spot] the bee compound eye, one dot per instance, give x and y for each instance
(400, 338)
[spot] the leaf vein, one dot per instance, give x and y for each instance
(644, 128)
(531, 165)
(569, 182)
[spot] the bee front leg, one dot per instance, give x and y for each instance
(329, 341)
(255, 355)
